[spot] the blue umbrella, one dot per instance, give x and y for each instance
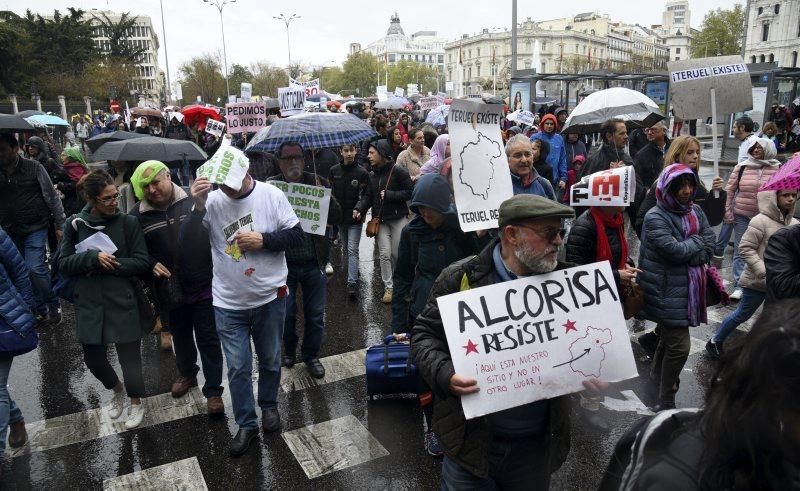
(438, 115)
(312, 130)
(47, 119)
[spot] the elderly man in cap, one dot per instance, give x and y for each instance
(516, 448)
(180, 254)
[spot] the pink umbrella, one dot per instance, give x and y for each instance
(787, 177)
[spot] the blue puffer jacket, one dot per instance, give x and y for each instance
(539, 186)
(557, 158)
(16, 297)
(664, 257)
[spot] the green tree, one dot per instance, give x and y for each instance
(720, 33)
(267, 79)
(202, 76)
(407, 72)
(238, 74)
(331, 79)
(13, 48)
(360, 73)
(119, 37)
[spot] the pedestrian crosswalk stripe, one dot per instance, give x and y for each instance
(333, 445)
(337, 367)
(162, 408)
(185, 475)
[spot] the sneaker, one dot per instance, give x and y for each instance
(736, 295)
(351, 291)
(432, 445)
(714, 349)
(328, 269)
(135, 416)
(117, 405)
(387, 296)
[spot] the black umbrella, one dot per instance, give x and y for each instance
(14, 122)
(150, 148)
(96, 142)
(271, 103)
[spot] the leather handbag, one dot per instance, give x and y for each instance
(168, 291)
(374, 225)
(632, 297)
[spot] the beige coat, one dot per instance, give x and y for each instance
(754, 241)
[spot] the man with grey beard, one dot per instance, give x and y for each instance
(520, 447)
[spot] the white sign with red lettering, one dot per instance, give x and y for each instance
(612, 187)
(538, 337)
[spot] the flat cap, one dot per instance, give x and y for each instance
(531, 207)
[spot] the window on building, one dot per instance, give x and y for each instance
(544, 45)
(760, 10)
(576, 47)
(765, 32)
(441, 58)
(752, 59)
(469, 73)
(469, 53)
(477, 70)
(479, 52)
(449, 57)
(392, 58)
(771, 58)
(677, 51)
(794, 59)
(677, 58)
(762, 59)
(777, 8)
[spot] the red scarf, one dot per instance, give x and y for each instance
(601, 221)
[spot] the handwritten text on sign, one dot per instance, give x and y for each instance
(245, 117)
(708, 71)
(291, 100)
(310, 204)
(537, 338)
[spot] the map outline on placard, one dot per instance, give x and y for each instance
(474, 186)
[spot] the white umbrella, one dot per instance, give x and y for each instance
(635, 108)
(521, 116)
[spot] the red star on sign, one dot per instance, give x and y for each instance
(570, 325)
(470, 347)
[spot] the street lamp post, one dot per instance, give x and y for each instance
(220, 4)
(287, 21)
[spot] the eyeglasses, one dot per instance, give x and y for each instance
(550, 234)
(109, 200)
(292, 159)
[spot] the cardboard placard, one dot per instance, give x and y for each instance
(228, 166)
(291, 100)
(246, 91)
(537, 338)
(691, 82)
(481, 178)
(245, 117)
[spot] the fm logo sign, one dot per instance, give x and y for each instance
(606, 186)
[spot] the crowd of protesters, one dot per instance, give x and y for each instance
(215, 293)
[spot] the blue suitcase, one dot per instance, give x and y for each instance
(390, 368)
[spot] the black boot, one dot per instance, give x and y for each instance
(241, 442)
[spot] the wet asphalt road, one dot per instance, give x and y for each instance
(53, 388)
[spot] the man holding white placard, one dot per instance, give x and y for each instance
(518, 447)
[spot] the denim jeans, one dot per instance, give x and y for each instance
(349, 237)
(749, 303)
(196, 321)
(265, 325)
(308, 277)
(515, 464)
(739, 228)
(723, 238)
(388, 243)
(33, 248)
(9, 412)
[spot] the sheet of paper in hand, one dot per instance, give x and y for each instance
(310, 204)
(538, 337)
(612, 187)
(228, 166)
(98, 241)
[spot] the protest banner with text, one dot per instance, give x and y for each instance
(246, 91)
(692, 80)
(310, 203)
(612, 187)
(228, 166)
(215, 127)
(291, 100)
(245, 117)
(481, 178)
(538, 337)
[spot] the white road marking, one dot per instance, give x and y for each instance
(333, 445)
(185, 475)
(631, 403)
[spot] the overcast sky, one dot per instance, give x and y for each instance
(325, 30)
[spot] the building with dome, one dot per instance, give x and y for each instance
(421, 47)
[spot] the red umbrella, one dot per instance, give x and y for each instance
(197, 114)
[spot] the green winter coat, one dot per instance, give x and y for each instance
(106, 309)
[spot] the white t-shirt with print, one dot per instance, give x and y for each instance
(246, 280)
